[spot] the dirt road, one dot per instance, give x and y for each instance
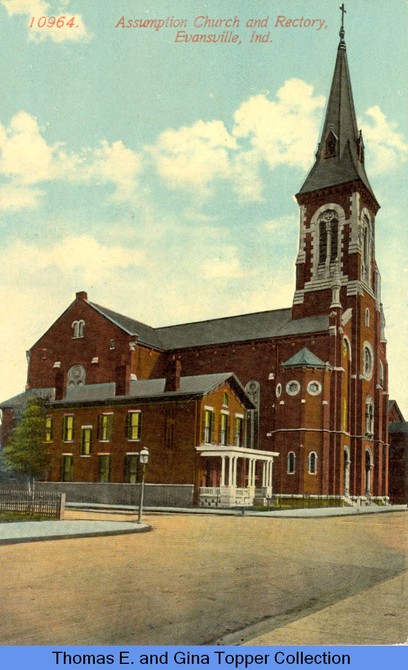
(193, 579)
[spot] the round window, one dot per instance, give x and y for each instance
(314, 388)
(293, 387)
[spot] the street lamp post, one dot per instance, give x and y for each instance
(143, 460)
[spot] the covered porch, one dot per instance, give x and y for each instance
(235, 476)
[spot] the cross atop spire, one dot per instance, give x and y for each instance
(343, 12)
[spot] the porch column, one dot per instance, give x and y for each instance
(234, 476)
(230, 471)
(249, 471)
(253, 471)
(270, 473)
(265, 473)
(222, 482)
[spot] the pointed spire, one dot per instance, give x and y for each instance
(340, 155)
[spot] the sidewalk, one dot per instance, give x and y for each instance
(37, 531)
(311, 512)
(375, 616)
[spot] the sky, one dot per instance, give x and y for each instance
(159, 174)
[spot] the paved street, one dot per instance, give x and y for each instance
(203, 579)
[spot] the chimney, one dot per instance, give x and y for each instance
(122, 380)
(81, 295)
(59, 385)
(173, 375)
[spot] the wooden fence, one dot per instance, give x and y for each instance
(21, 501)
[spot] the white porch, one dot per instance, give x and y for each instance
(244, 476)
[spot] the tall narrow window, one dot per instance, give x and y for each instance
(67, 468)
(334, 240)
(312, 462)
(104, 467)
(86, 440)
(369, 417)
(48, 429)
(68, 426)
(366, 246)
(224, 429)
(238, 431)
(134, 425)
(131, 468)
(328, 231)
(322, 243)
(105, 427)
(208, 426)
(291, 463)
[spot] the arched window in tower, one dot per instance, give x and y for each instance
(367, 360)
(291, 463)
(366, 247)
(312, 463)
(331, 145)
(347, 379)
(369, 417)
(328, 240)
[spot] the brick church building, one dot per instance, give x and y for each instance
(289, 401)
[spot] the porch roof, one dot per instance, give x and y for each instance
(244, 452)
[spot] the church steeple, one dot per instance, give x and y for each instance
(340, 154)
(337, 209)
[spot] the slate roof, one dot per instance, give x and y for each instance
(255, 326)
(20, 399)
(260, 325)
(398, 427)
(340, 118)
(302, 359)
(143, 389)
(145, 333)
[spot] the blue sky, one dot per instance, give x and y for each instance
(159, 175)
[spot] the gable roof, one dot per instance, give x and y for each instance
(146, 334)
(260, 325)
(302, 359)
(143, 390)
(394, 409)
(224, 330)
(398, 427)
(20, 399)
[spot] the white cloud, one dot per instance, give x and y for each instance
(24, 154)
(388, 148)
(14, 197)
(26, 160)
(76, 257)
(282, 132)
(194, 156)
(61, 29)
(31, 7)
(113, 163)
(223, 265)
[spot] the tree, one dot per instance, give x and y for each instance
(26, 451)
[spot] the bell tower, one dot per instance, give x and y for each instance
(337, 208)
(337, 277)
